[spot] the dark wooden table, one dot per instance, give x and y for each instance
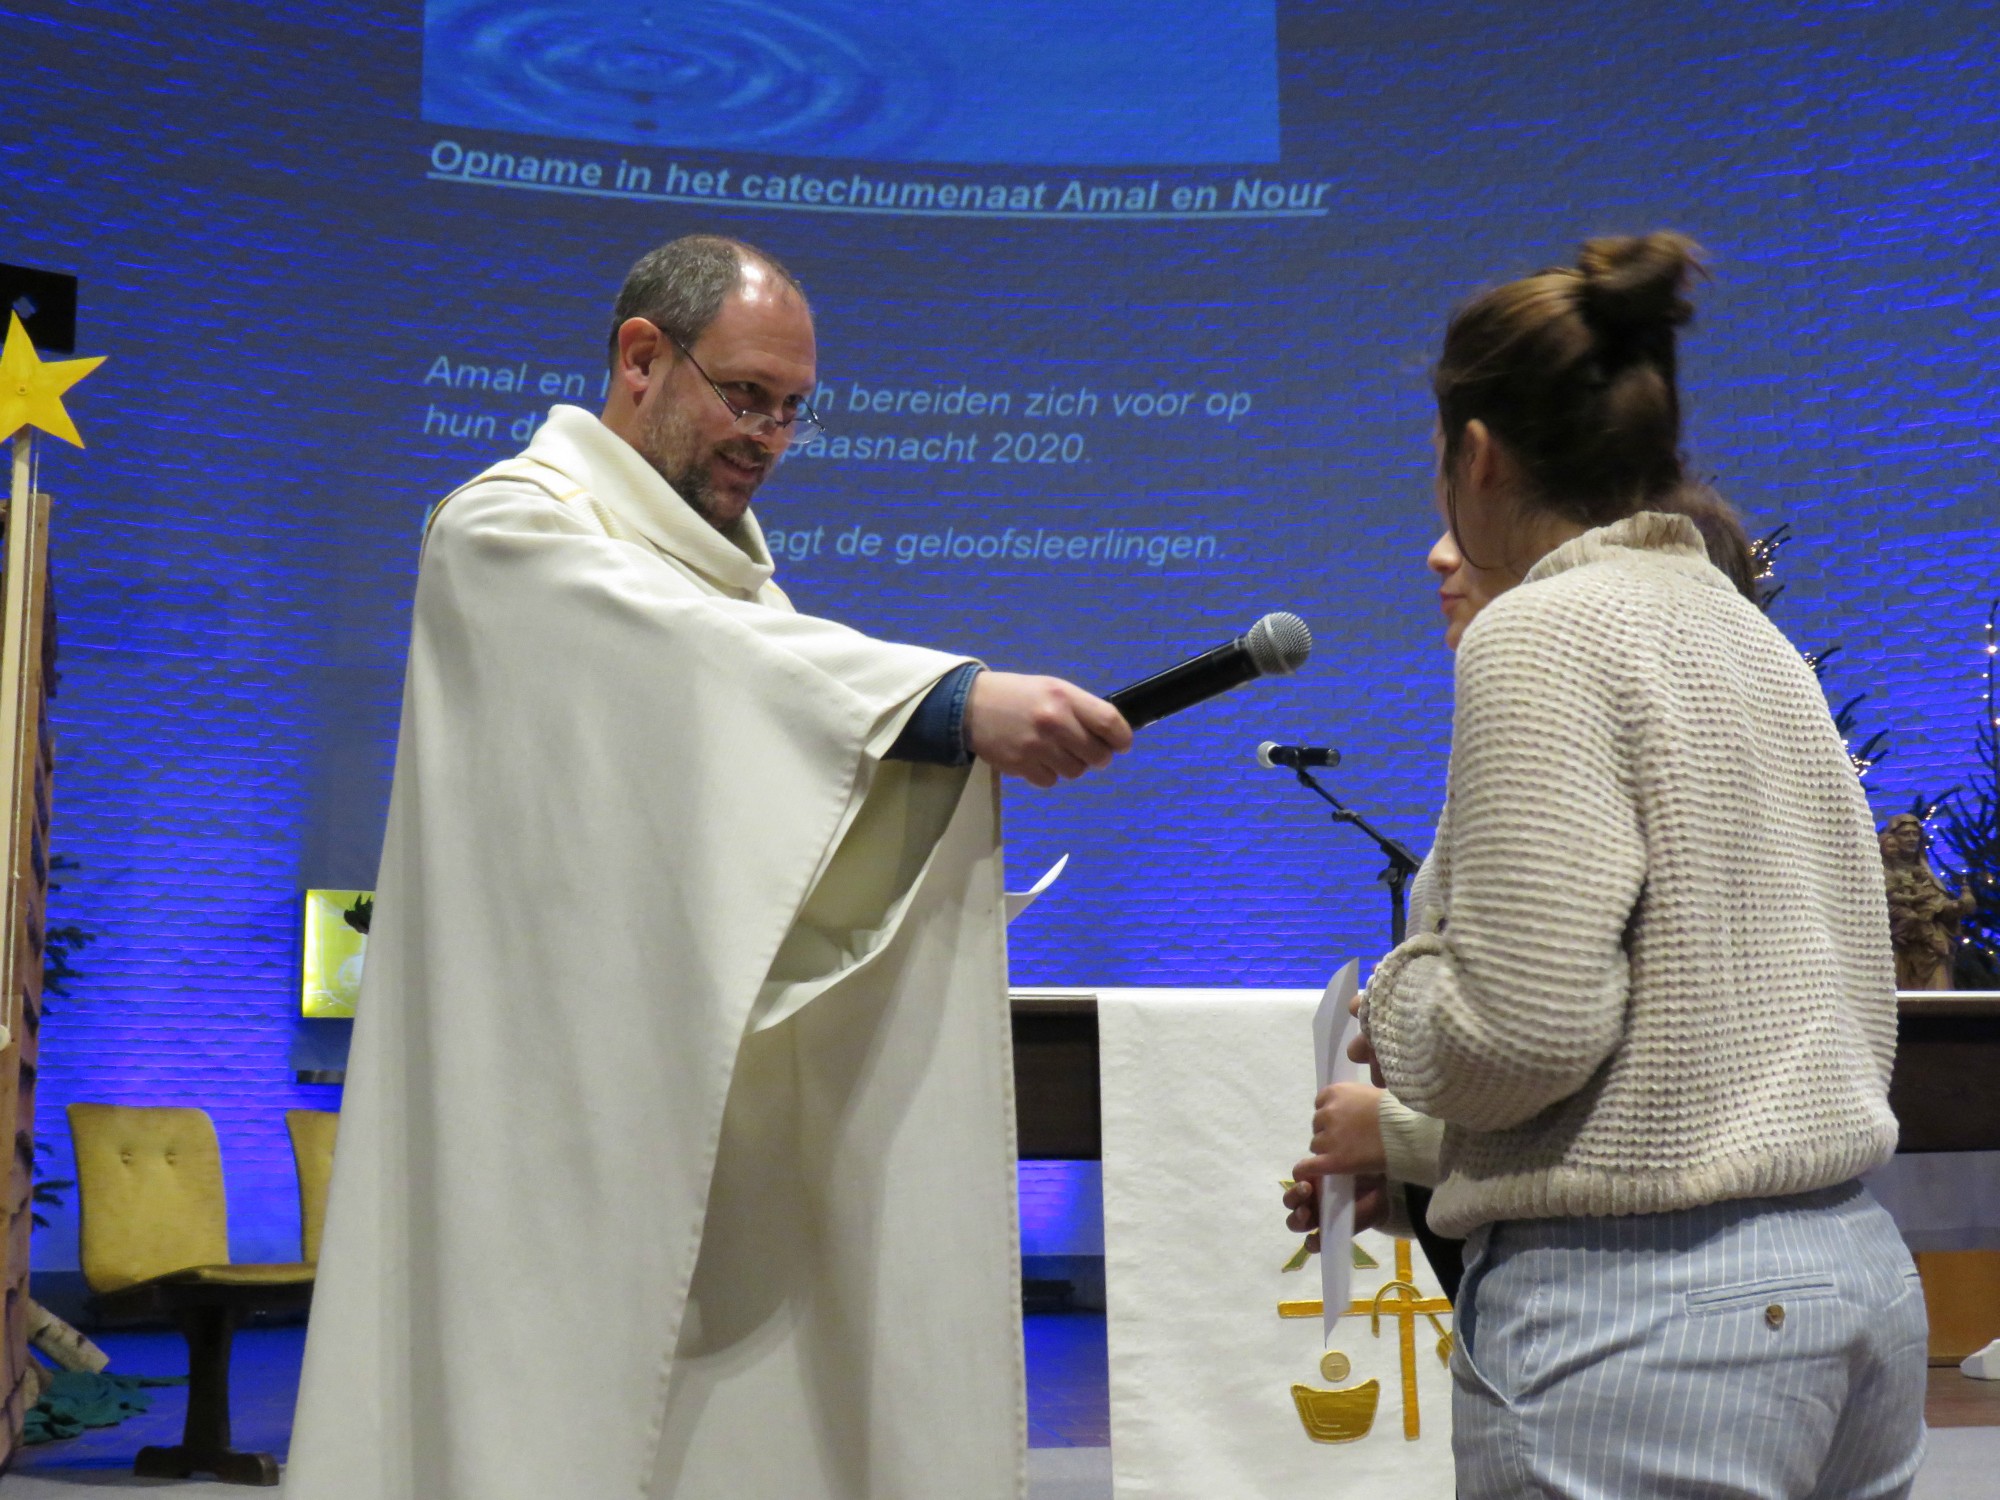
(1946, 1089)
(1055, 1075)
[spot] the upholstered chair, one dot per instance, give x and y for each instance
(312, 1133)
(155, 1238)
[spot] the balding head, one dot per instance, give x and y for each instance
(681, 286)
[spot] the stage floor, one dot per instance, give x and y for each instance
(1069, 1425)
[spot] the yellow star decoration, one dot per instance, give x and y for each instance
(31, 391)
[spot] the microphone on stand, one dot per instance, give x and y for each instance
(1276, 645)
(1296, 757)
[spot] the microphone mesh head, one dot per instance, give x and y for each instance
(1279, 644)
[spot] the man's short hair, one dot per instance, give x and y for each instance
(681, 286)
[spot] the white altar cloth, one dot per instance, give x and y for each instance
(1207, 1102)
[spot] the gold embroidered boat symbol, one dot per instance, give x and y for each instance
(1337, 1416)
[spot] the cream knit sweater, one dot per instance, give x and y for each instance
(1661, 973)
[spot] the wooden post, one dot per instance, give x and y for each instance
(26, 770)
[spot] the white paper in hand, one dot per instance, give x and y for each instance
(1020, 901)
(1333, 1028)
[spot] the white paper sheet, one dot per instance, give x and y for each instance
(1333, 1028)
(1020, 901)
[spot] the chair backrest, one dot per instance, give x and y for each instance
(312, 1131)
(149, 1193)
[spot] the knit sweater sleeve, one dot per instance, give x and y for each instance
(1522, 996)
(1412, 1144)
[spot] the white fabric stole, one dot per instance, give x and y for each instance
(1217, 1380)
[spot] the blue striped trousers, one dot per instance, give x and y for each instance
(1764, 1349)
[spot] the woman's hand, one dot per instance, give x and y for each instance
(1302, 1199)
(1346, 1141)
(1371, 1206)
(1347, 1133)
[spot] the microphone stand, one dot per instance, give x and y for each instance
(1395, 875)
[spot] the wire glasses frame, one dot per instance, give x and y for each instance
(802, 426)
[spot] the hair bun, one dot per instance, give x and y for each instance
(1635, 285)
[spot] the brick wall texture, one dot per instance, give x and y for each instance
(242, 192)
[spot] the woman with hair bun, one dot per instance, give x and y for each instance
(1650, 989)
(1362, 1130)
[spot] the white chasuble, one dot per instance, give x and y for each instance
(676, 1159)
(1222, 1383)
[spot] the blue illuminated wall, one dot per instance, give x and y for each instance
(323, 311)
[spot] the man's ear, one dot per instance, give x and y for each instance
(640, 346)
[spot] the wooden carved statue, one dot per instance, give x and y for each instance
(1924, 917)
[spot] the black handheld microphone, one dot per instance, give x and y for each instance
(1276, 645)
(1296, 757)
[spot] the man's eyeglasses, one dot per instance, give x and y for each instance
(802, 426)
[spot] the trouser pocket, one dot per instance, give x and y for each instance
(1771, 1296)
(1499, 1318)
(1470, 1379)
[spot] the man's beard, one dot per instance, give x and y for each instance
(668, 441)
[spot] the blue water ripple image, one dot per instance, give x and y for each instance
(1035, 82)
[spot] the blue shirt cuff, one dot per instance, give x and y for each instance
(935, 733)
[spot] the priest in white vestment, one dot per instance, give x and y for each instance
(676, 1158)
